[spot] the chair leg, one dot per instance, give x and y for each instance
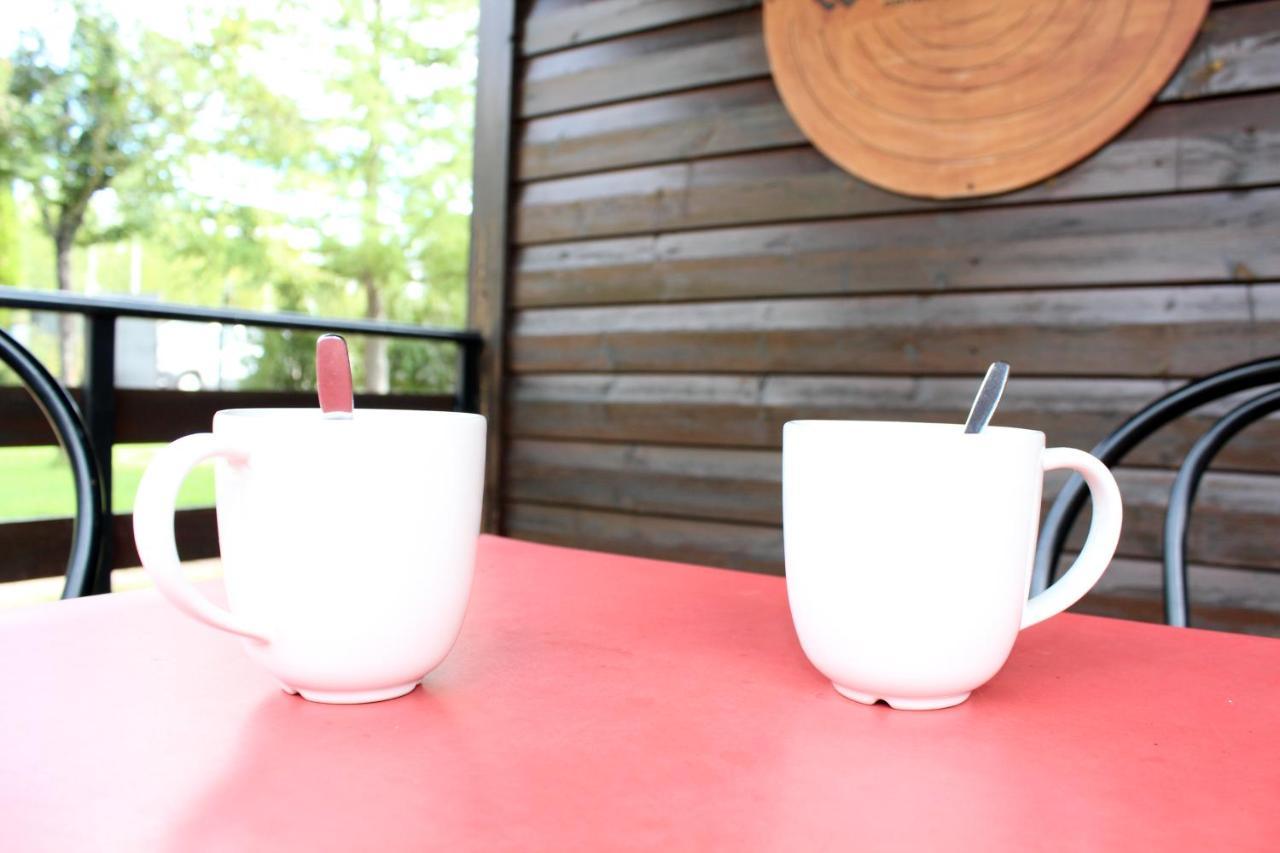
(59, 408)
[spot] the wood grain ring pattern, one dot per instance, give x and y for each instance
(961, 98)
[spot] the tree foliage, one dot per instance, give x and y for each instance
(393, 152)
(74, 127)
(129, 134)
(112, 114)
(10, 248)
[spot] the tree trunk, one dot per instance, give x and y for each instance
(377, 372)
(66, 351)
(10, 239)
(135, 266)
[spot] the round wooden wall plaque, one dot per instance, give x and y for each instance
(953, 98)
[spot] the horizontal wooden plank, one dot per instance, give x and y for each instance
(712, 484)
(1238, 50)
(21, 422)
(39, 549)
(166, 415)
(1216, 236)
(1236, 521)
(1221, 599)
(727, 119)
(570, 25)
(746, 547)
(715, 50)
(1134, 332)
(1217, 144)
(748, 411)
(1235, 54)
(759, 548)
(163, 415)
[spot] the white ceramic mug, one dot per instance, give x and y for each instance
(909, 550)
(348, 545)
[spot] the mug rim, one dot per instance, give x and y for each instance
(938, 427)
(262, 413)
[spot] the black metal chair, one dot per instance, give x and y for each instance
(1111, 450)
(90, 523)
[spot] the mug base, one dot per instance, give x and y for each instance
(354, 697)
(931, 703)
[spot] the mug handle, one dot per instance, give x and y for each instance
(1099, 546)
(153, 527)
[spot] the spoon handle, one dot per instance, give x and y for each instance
(984, 405)
(333, 377)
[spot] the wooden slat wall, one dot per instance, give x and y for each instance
(687, 274)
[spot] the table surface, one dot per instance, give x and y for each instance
(596, 702)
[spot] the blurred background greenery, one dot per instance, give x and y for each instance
(274, 155)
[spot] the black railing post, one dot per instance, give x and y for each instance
(468, 395)
(100, 417)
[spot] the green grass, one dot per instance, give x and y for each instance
(35, 482)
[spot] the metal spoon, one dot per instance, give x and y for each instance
(984, 405)
(333, 377)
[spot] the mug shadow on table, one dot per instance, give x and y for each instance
(297, 780)
(424, 770)
(1022, 754)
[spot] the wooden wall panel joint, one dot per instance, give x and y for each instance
(490, 251)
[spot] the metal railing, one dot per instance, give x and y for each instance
(99, 393)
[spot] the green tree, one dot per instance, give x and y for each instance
(396, 154)
(379, 126)
(288, 356)
(117, 116)
(10, 239)
(76, 128)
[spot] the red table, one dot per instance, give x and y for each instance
(597, 702)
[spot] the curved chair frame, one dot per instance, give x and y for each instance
(1183, 494)
(60, 409)
(1111, 450)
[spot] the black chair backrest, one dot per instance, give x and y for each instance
(1111, 450)
(59, 407)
